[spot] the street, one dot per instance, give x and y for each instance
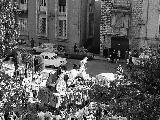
(95, 67)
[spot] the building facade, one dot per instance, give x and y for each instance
(144, 25)
(22, 19)
(129, 24)
(63, 22)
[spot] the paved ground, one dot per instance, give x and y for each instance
(95, 67)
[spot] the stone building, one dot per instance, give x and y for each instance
(63, 22)
(129, 24)
(145, 24)
(115, 23)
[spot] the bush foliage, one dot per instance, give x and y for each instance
(137, 97)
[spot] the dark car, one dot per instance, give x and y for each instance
(80, 55)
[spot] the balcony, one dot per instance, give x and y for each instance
(23, 10)
(23, 7)
(62, 14)
(62, 11)
(121, 6)
(42, 8)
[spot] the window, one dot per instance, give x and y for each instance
(23, 24)
(23, 1)
(62, 28)
(90, 7)
(42, 25)
(46, 57)
(62, 5)
(42, 2)
(91, 25)
(159, 24)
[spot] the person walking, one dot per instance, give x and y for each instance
(118, 55)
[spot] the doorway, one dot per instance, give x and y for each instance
(120, 43)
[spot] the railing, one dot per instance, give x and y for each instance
(62, 13)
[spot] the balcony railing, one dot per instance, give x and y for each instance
(62, 10)
(121, 5)
(43, 8)
(62, 13)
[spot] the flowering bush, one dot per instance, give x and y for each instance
(133, 96)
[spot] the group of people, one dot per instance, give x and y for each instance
(79, 49)
(115, 55)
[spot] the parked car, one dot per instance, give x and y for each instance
(45, 47)
(51, 59)
(80, 55)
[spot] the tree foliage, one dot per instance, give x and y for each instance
(12, 93)
(9, 30)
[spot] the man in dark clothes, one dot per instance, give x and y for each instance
(32, 43)
(113, 55)
(75, 47)
(15, 55)
(36, 65)
(59, 71)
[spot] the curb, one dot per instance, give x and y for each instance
(105, 59)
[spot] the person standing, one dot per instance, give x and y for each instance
(75, 47)
(127, 56)
(114, 55)
(130, 56)
(32, 43)
(118, 55)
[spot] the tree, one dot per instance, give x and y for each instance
(9, 30)
(12, 93)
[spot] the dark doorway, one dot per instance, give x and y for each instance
(120, 43)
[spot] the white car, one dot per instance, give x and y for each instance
(45, 47)
(51, 59)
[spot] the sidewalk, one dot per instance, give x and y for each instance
(99, 57)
